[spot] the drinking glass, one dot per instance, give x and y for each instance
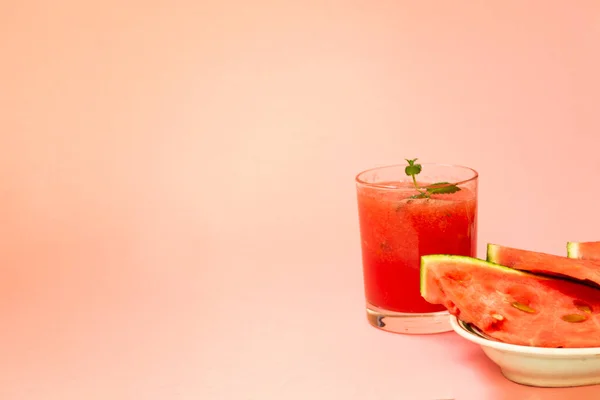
(401, 220)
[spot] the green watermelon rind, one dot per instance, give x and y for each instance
(427, 260)
(491, 253)
(573, 249)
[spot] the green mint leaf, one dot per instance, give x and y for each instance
(446, 188)
(412, 168)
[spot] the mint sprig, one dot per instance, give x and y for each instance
(413, 169)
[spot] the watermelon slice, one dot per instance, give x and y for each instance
(584, 250)
(513, 306)
(585, 271)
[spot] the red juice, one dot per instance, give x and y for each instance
(396, 231)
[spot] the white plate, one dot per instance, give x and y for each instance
(537, 366)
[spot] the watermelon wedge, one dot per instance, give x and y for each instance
(513, 306)
(585, 271)
(584, 250)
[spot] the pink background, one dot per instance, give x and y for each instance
(178, 212)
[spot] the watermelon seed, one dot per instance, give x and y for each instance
(583, 306)
(585, 309)
(574, 318)
(522, 307)
(498, 317)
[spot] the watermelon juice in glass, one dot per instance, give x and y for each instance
(406, 211)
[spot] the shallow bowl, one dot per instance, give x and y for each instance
(536, 366)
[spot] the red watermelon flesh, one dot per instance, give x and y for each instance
(513, 306)
(584, 250)
(586, 271)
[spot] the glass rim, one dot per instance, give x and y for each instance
(372, 184)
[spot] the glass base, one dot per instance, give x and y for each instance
(409, 323)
